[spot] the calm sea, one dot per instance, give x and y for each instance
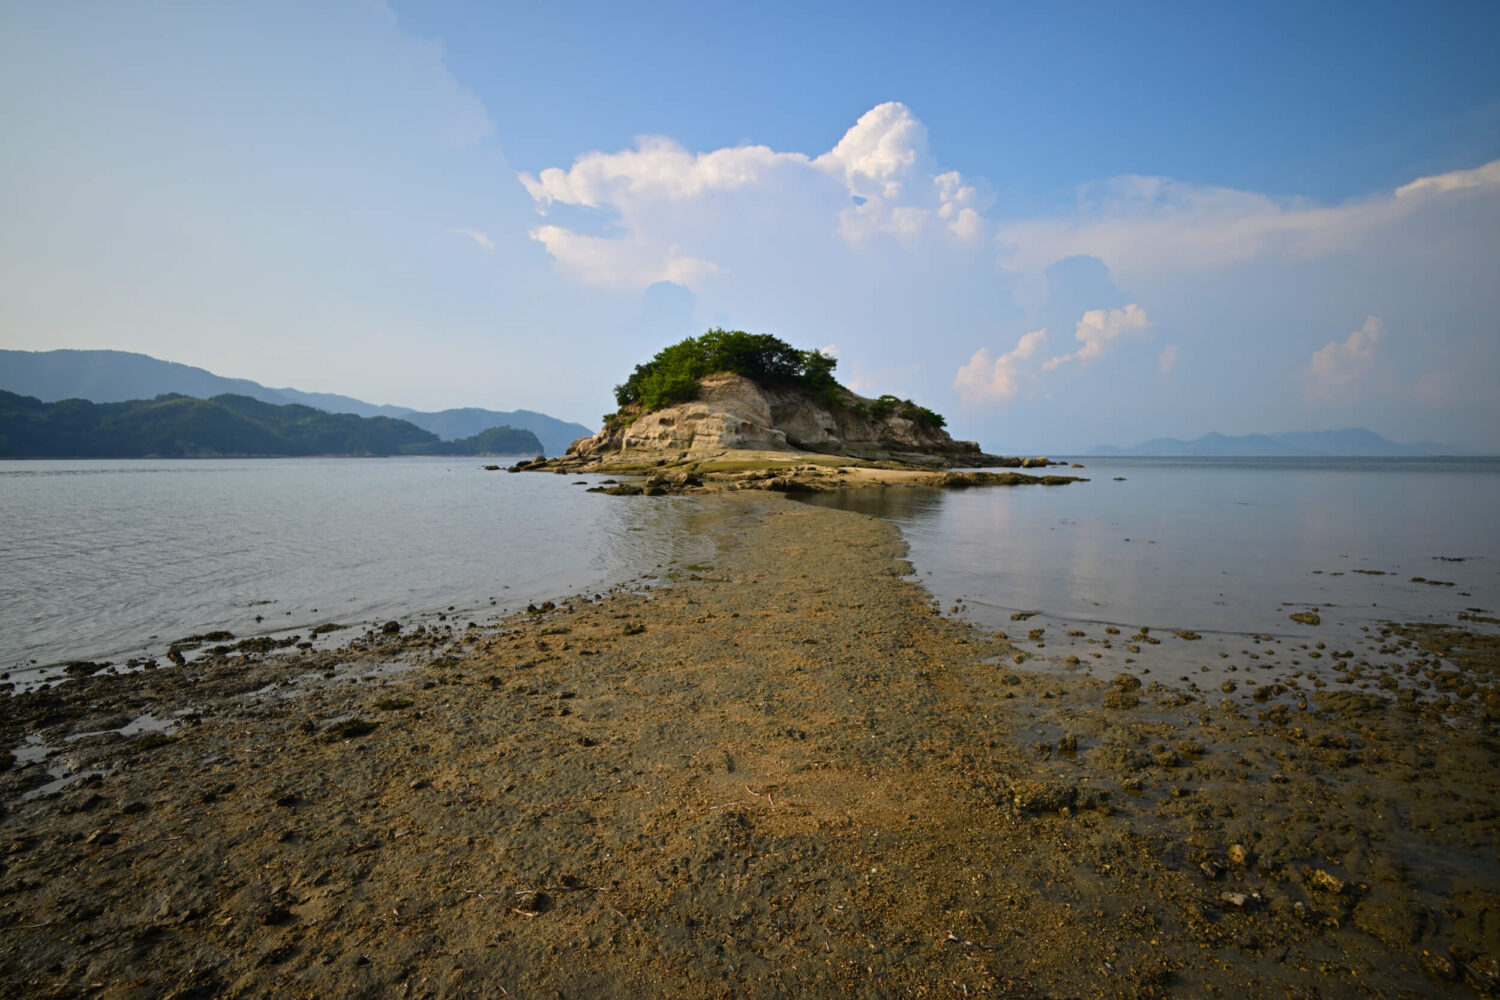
(107, 559)
(1225, 548)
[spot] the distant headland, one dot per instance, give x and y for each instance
(1354, 442)
(120, 376)
(175, 426)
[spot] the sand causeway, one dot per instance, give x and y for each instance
(785, 772)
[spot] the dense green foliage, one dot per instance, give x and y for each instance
(672, 376)
(494, 441)
(172, 426)
(919, 415)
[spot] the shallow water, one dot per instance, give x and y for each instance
(1225, 548)
(104, 559)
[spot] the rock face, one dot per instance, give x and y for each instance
(735, 413)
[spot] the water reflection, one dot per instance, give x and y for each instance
(107, 559)
(1225, 549)
(904, 505)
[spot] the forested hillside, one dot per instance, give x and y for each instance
(174, 426)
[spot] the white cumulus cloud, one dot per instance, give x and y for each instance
(676, 207)
(877, 156)
(1099, 330)
(875, 246)
(959, 206)
(657, 170)
(1338, 367)
(989, 379)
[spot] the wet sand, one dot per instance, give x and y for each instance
(784, 773)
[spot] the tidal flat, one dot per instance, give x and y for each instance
(786, 772)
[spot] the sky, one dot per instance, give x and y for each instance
(1060, 225)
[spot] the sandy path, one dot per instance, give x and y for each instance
(786, 774)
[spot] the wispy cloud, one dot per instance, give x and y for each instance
(483, 239)
(616, 263)
(1142, 226)
(1457, 180)
(1167, 359)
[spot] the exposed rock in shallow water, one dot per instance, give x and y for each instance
(1043, 796)
(963, 480)
(1350, 703)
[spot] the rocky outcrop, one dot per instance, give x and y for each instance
(733, 413)
(964, 480)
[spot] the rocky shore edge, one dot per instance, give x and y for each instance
(657, 474)
(787, 772)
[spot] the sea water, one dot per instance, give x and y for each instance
(107, 559)
(1224, 549)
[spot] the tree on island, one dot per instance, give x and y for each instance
(672, 376)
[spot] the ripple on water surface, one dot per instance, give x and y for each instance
(112, 558)
(1191, 569)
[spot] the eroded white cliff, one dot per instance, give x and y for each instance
(734, 413)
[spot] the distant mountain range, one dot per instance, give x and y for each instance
(118, 376)
(1353, 441)
(173, 426)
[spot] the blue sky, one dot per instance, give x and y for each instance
(1059, 224)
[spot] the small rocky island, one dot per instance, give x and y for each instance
(751, 411)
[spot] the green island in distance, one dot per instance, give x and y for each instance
(176, 426)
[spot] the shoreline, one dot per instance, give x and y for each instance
(698, 473)
(788, 774)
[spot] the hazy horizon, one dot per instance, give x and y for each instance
(1099, 448)
(1060, 228)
